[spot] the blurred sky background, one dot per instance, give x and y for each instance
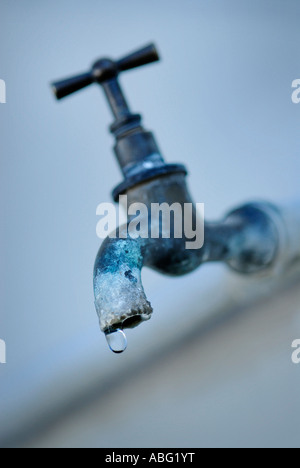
(219, 101)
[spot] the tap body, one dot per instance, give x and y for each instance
(246, 239)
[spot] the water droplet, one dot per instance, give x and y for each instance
(117, 341)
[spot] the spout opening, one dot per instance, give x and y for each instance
(129, 322)
(134, 321)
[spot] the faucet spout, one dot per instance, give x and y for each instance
(120, 299)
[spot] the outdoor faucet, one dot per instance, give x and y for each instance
(248, 239)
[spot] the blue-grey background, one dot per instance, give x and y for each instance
(219, 101)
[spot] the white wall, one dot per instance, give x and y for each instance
(231, 386)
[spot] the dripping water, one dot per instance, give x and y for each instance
(116, 340)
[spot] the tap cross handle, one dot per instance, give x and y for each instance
(104, 70)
